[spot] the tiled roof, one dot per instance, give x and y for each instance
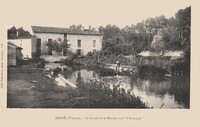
(177, 53)
(19, 37)
(42, 29)
(11, 43)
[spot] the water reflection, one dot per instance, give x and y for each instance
(163, 94)
(83, 75)
(168, 93)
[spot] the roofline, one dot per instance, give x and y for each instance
(99, 34)
(19, 48)
(9, 42)
(84, 34)
(28, 37)
(19, 38)
(71, 33)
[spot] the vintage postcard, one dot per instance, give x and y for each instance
(122, 62)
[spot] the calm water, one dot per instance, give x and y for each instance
(167, 93)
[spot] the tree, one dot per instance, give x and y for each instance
(161, 22)
(101, 29)
(57, 45)
(184, 20)
(76, 26)
(14, 33)
(158, 43)
(23, 33)
(175, 34)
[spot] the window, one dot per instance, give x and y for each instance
(78, 52)
(38, 44)
(94, 43)
(79, 43)
(50, 40)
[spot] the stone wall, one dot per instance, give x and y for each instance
(54, 58)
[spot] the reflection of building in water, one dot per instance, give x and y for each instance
(79, 78)
(83, 76)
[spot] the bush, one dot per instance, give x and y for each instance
(99, 95)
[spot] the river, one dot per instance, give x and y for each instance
(169, 93)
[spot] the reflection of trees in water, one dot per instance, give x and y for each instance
(149, 72)
(105, 72)
(177, 87)
(159, 88)
(180, 88)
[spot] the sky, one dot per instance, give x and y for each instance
(63, 13)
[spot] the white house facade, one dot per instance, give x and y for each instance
(79, 41)
(26, 44)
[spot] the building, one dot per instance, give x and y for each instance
(25, 43)
(14, 53)
(78, 40)
(21, 38)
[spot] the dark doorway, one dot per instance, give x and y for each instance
(78, 52)
(64, 52)
(38, 47)
(50, 47)
(65, 46)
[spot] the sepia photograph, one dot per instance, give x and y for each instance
(102, 56)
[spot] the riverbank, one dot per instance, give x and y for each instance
(94, 59)
(132, 65)
(30, 88)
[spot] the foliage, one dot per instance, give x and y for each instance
(184, 26)
(76, 26)
(139, 37)
(158, 44)
(14, 33)
(95, 58)
(57, 45)
(99, 95)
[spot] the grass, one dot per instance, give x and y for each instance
(29, 88)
